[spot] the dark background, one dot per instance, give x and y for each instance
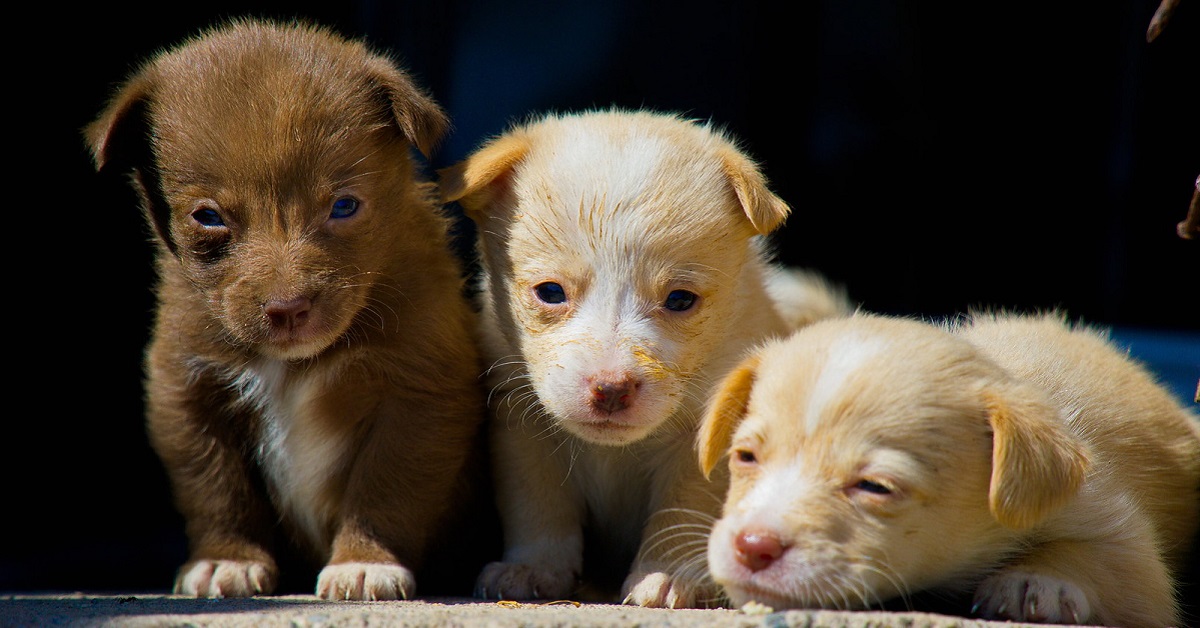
(937, 156)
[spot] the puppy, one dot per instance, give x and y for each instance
(622, 273)
(313, 359)
(1020, 457)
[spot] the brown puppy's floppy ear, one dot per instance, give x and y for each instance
(765, 210)
(725, 413)
(1037, 463)
(476, 181)
(419, 116)
(119, 141)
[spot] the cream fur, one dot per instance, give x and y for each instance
(618, 209)
(1020, 457)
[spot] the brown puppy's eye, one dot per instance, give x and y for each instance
(745, 456)
(207, 217)
(344, 207)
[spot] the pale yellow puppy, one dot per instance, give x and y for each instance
(1019, 457)
(624, 274)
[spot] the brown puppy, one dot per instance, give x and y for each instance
(313, 358)
(624, 273)
(1016, 456)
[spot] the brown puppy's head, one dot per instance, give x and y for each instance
(618, 248)
(873, 457)
(273, 162)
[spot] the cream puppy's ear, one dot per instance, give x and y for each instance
(1037, 463)
(725, 413)
(477, 180)
(765, 210)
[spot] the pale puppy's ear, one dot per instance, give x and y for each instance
(725, 412)
(1037, 463)
(484, 175)
(765, 210)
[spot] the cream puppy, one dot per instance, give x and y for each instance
(1017, 456)
(623, 274)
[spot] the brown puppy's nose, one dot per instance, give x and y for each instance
(757, 549)
(290, 314)
(613, 394)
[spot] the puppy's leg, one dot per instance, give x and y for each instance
(671, 569)
(228, 518)
(393, 507)
(1117, 580)
(541, 515)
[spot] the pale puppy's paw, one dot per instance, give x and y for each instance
(224, 578)
(519, 581)
(661, 590)
(366, 581)
(1031, 597)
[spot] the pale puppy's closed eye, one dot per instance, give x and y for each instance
(873, 458)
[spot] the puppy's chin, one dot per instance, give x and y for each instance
(622, 427)
(294, 348)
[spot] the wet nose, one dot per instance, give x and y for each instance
(287, 314)
(611, 394)
(757, 549)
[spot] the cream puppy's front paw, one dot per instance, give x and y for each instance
(520, 581)
(225, 578)
(662, 590)
(366, 581)
(1026, 596)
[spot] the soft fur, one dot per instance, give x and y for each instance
(623, 274)
(1021, 457)
(313, 357)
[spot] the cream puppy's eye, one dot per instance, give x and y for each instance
(745, 456)
(550, 293)
(680, 300)
(869, 486)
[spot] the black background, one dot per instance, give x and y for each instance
(937, 156)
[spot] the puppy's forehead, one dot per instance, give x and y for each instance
(649, 172)
(278, 97)
(859, 377)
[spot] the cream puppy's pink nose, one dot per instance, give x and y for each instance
(613, 393)
(757, 549)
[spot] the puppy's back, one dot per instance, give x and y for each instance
(1143, 439)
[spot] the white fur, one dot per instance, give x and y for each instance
(620, 209)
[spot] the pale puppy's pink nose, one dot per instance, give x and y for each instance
(289, 314)
(757, 549)
(611, 394)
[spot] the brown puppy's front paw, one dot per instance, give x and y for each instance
(519, 581)
(366, 581)
(1031, 597)
(225, 578)
(662, 590)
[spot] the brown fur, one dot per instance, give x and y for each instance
(309, 364)
(1016, 456)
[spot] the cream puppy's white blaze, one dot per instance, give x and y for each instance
(1019, 458)
(623, 273)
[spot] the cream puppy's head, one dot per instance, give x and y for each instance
(871, 458)
(620, 254)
